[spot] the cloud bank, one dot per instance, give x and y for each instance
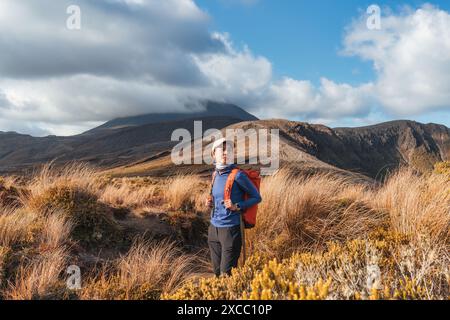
(139, 56)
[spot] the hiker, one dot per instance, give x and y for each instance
(224, 234)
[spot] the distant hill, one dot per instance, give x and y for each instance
(372, 151)
(142, 145)
(114, 143)
(375, 149)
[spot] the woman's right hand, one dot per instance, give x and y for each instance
(209, 202)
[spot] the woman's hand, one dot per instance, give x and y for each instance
(229, 205)
(209, 202)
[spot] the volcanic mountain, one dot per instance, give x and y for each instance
(142, 144)
(117, 142)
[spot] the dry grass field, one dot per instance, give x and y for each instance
(319, 236)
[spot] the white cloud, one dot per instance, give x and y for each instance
(236, 72)
(301, 99)
(143, 56)
(411, 59)
(130, 57)
(411, 55)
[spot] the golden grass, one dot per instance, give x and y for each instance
(301, 215)
(38, 278)
(9, 181)
(128, 196)
(16, 226)
(307, 212)
(73, 191)
(71, 176)
(317, 227)
(145, 272)
(182, 192)
(9, 194)
(416, 204)
(56, 232)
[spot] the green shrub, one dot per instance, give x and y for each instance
(92, 221)
(409, 269)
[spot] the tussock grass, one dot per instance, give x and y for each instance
(9, 194)
(319, 236)
(327, 237)
(40, 278)
(182, 192)
(145, 272)
(50, 179)
(416, 204)
(16, 226)
(73, 191)
(304, 212)
(129, 196)
(56, 231)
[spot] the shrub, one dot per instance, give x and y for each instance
(443, 168)
(221, 288)
(407, 270)
(92, 221)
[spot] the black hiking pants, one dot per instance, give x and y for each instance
(225, 246)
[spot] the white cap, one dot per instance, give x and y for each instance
(219, 143)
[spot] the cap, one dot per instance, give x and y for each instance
(219, 143)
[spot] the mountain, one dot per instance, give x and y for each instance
(117, 142)
(142, 144)
(371, 151)
(375, 149)
(208, 109)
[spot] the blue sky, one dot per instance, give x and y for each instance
(313, 61)
(303, 39)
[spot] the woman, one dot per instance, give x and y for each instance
(224, 234)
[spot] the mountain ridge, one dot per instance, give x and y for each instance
(370, 150)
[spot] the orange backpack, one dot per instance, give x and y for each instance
(249, 215)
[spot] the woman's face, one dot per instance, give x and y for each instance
(223, 154)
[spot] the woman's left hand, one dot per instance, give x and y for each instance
(229, 205)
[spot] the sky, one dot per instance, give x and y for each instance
(313, 61)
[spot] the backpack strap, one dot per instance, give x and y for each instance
(229, 184)
(212, 182)
(213, 209)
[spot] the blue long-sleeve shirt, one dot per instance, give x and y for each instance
(222, 217)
